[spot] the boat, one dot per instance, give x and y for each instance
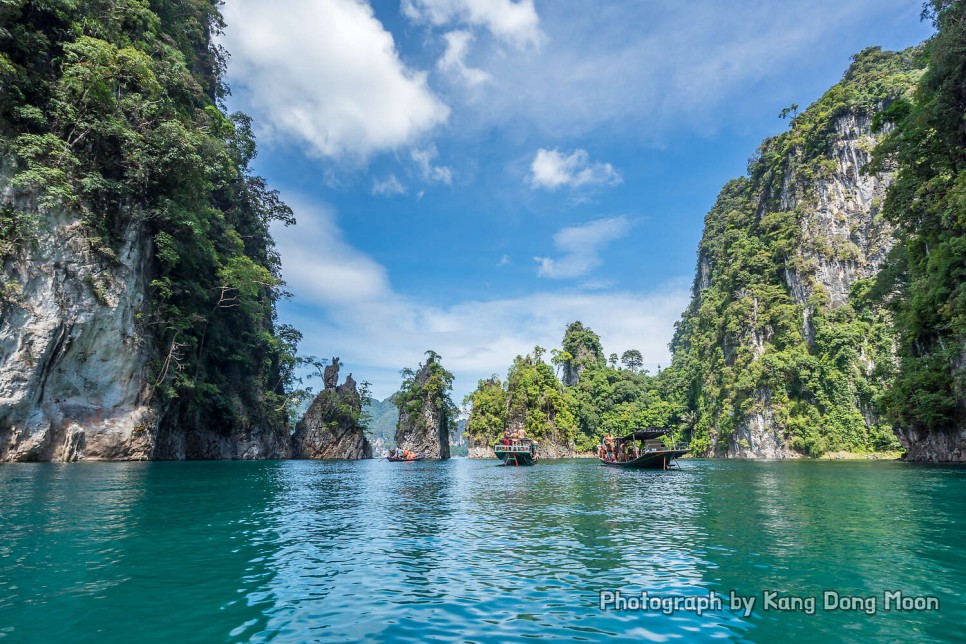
(519, 452)
(641, 449)
(404, 456)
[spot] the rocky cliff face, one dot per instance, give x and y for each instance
(424, 423)
(478, 448)
(932, 446)
(75, 376)
(782, 349)
(74, 382)
(843, 239)
(330, 429)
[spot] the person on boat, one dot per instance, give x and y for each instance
(609, 445)
(506, 437)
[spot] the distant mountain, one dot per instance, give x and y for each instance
(383, 416)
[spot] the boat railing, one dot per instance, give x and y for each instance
(661, 446)
(517, 447)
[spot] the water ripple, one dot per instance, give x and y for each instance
(374, 551)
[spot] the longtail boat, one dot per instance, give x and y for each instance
(404, 456)
(519, 452)
(641, 449)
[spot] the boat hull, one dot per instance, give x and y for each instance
(393, 459)
(659, 460)
(515, 455)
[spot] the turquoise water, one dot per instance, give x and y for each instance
(465, 550)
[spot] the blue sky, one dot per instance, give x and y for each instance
(469, 176)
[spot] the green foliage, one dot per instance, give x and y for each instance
(535, 399)
(746, 345)
(925, 281)
(109, 111)
(581, 350)
(426, 392)
(604, 399)
(488, 419)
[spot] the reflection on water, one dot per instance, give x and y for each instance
(378, 551)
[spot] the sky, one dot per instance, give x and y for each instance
(470, 176)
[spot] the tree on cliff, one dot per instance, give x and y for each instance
(925, 280)
(112, 113)
(427, 415)
(632, 359)
(582, 349)
(488, 411)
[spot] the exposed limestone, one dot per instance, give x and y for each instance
(934, 446)
(478, 449)
(73, 357)
(843, 240)
(330, 428)
(75, 377)
(423, 425)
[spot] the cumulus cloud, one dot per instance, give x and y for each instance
(327, 73)
(454, 59)
(345, 305)
(321, 266)
(508, 20)
(581, 247)
(388, 187)
(552, 169)
(647, 69)
(424, 161)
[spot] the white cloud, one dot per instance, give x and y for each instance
(552, 169)
(478, 338)
(345, 306)
(388, 187)
(646, 69)
(454, 59)
(321, 266)
(504, 261)
(327, 73)
(581, 246)
(424, 161)
(512, 21)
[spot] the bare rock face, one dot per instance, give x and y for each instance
(478, 449)
(330, 428)
(843, 240)
(423, 425)
(73, 358)
(75, 377)
(934, 446)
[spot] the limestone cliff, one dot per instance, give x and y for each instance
(426, 415)
(74, 378)
(330, 429)
(842, 239)
(781, 351)
(137, 305)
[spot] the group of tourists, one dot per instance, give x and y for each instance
(612, 451)
(515, 437)
(403, 454)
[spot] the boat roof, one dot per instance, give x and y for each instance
(646, 433)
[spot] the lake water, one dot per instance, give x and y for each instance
(466, 550)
